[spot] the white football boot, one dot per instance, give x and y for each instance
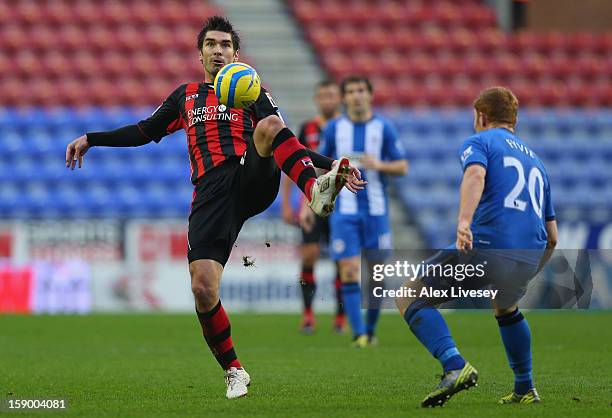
(236, 380)
(326, 188)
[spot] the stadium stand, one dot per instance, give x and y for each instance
(66, 55)
(439, 52)
(75, 53)
(575, 145)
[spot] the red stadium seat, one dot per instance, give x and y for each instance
(29, 12)
(13, 37)
(377, 37)
(85, 64)
(142, 13)
(86, 13)
(323, 37)
(100, 37)
(27, 64)
(349, 36)
(129, 38)
(115, 12)
(56, 64)
(115, 64)
(59, 12)
(421, 52)
(70, 37)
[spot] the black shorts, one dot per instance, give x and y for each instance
(319, 232)
(224, 199)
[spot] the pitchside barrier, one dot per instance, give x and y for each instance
(141, 265)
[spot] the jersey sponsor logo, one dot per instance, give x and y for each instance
(206, 113)
(468, 151)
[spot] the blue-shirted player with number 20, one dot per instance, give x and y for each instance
(506, 222)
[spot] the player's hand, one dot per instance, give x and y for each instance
(306, 218)
(75, 151)
(464, 237)
(370, 163)
(288, 215)
(353, 179)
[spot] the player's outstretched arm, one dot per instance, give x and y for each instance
(126, 136)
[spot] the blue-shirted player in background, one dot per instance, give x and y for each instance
(361, 221)
(506, 220)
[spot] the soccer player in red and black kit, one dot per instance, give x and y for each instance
(235, 155)
(315, 229)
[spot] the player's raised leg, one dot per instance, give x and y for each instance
(216, 328)
(516, 337)
(273, 138)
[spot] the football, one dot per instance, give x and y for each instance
(237, 85)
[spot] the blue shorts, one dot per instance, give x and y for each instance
(351, 233)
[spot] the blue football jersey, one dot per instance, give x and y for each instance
(516, 201)
(376, 137)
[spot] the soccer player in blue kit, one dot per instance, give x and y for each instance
(507, 223)
(361, 221)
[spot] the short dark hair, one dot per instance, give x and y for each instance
(221, 24)
(326, 82)
(355, 79)
(498, 104)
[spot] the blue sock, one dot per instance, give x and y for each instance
(372, 316)
(516, 336)
(429, 327)
(351, 298)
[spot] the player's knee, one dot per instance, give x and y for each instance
(205, 291)
(268, 128)
(310, 255)
(403, 302)
(349, 273)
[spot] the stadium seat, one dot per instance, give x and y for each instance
(444, 39)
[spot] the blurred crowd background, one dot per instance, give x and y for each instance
(112, 236)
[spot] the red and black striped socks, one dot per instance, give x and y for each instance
(217, 332)
(338, 289)
(292, 157)
(309, 287)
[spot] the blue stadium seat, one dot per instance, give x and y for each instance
(153, 181)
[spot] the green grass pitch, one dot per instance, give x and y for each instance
(159, 366)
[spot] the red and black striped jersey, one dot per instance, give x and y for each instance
(310, 133)
(215, 132)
